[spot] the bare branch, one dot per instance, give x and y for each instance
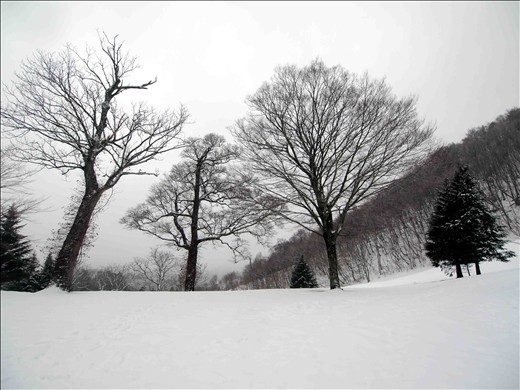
(324, 140)
(61, 112)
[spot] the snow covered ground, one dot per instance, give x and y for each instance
(420, 330)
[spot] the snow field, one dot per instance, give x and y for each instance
(422, 332)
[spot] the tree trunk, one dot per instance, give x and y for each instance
(477, 267)
(459, 271)
(330, 244)
(67, 259)
(191, 268)
(191, 264)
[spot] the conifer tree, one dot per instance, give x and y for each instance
(18, 263)
(303, 276)
(462, 230)
(48, 271)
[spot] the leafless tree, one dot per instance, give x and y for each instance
(113, 277)
(61, 112)
(230, 281)
(14, 178)
(157, 268)
(203, 200)
(324, 140)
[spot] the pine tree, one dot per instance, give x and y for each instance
(18, 263)
(303, 276)
(47, 273)
(462, 230)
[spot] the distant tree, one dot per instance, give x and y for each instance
(61, 113)
(462, 230)
(230, 281)
(18, 262)
(203, 200)
(113, 278)
(210, 285)
(324, 140)
(303, 276)
(47, 273)
(157, 268)
(14, 177)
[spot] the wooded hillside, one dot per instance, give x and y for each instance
(387, 233)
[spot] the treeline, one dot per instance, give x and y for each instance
(381, 237)
(388, 233)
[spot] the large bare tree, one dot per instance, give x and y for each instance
(203, 200)
(61, 111)
(324, 140)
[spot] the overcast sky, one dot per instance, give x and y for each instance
(461, 59)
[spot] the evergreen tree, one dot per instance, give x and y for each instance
(47, 273)
(462, 230)
(18, 263)
(303, 276)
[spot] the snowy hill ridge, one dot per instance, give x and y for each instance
(423, 331)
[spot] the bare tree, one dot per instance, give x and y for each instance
(202, 200)
(14, 177)
(157, 268)
(62, 113)
(324, 140)
(113, 277)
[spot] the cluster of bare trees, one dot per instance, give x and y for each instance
(492, 155)
(388, 233)
(320, 147)
(161, 270)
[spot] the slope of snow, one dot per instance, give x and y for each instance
(426, 332)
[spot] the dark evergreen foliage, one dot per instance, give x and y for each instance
(17, 261)
(47, 272)
(303, 276)
(462, 230)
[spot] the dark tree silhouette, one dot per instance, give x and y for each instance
(303, 276)
(61, 113)
(462, 230)
(47, 274)
(17, 261)
(203, 200)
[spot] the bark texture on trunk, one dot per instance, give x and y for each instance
(191, 268)
(330, 244)
(67, 259)
(459, 270)
(191, 263)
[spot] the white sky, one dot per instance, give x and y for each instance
(461, 59)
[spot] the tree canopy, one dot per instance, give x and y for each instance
(61, 112)
(324, 140)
